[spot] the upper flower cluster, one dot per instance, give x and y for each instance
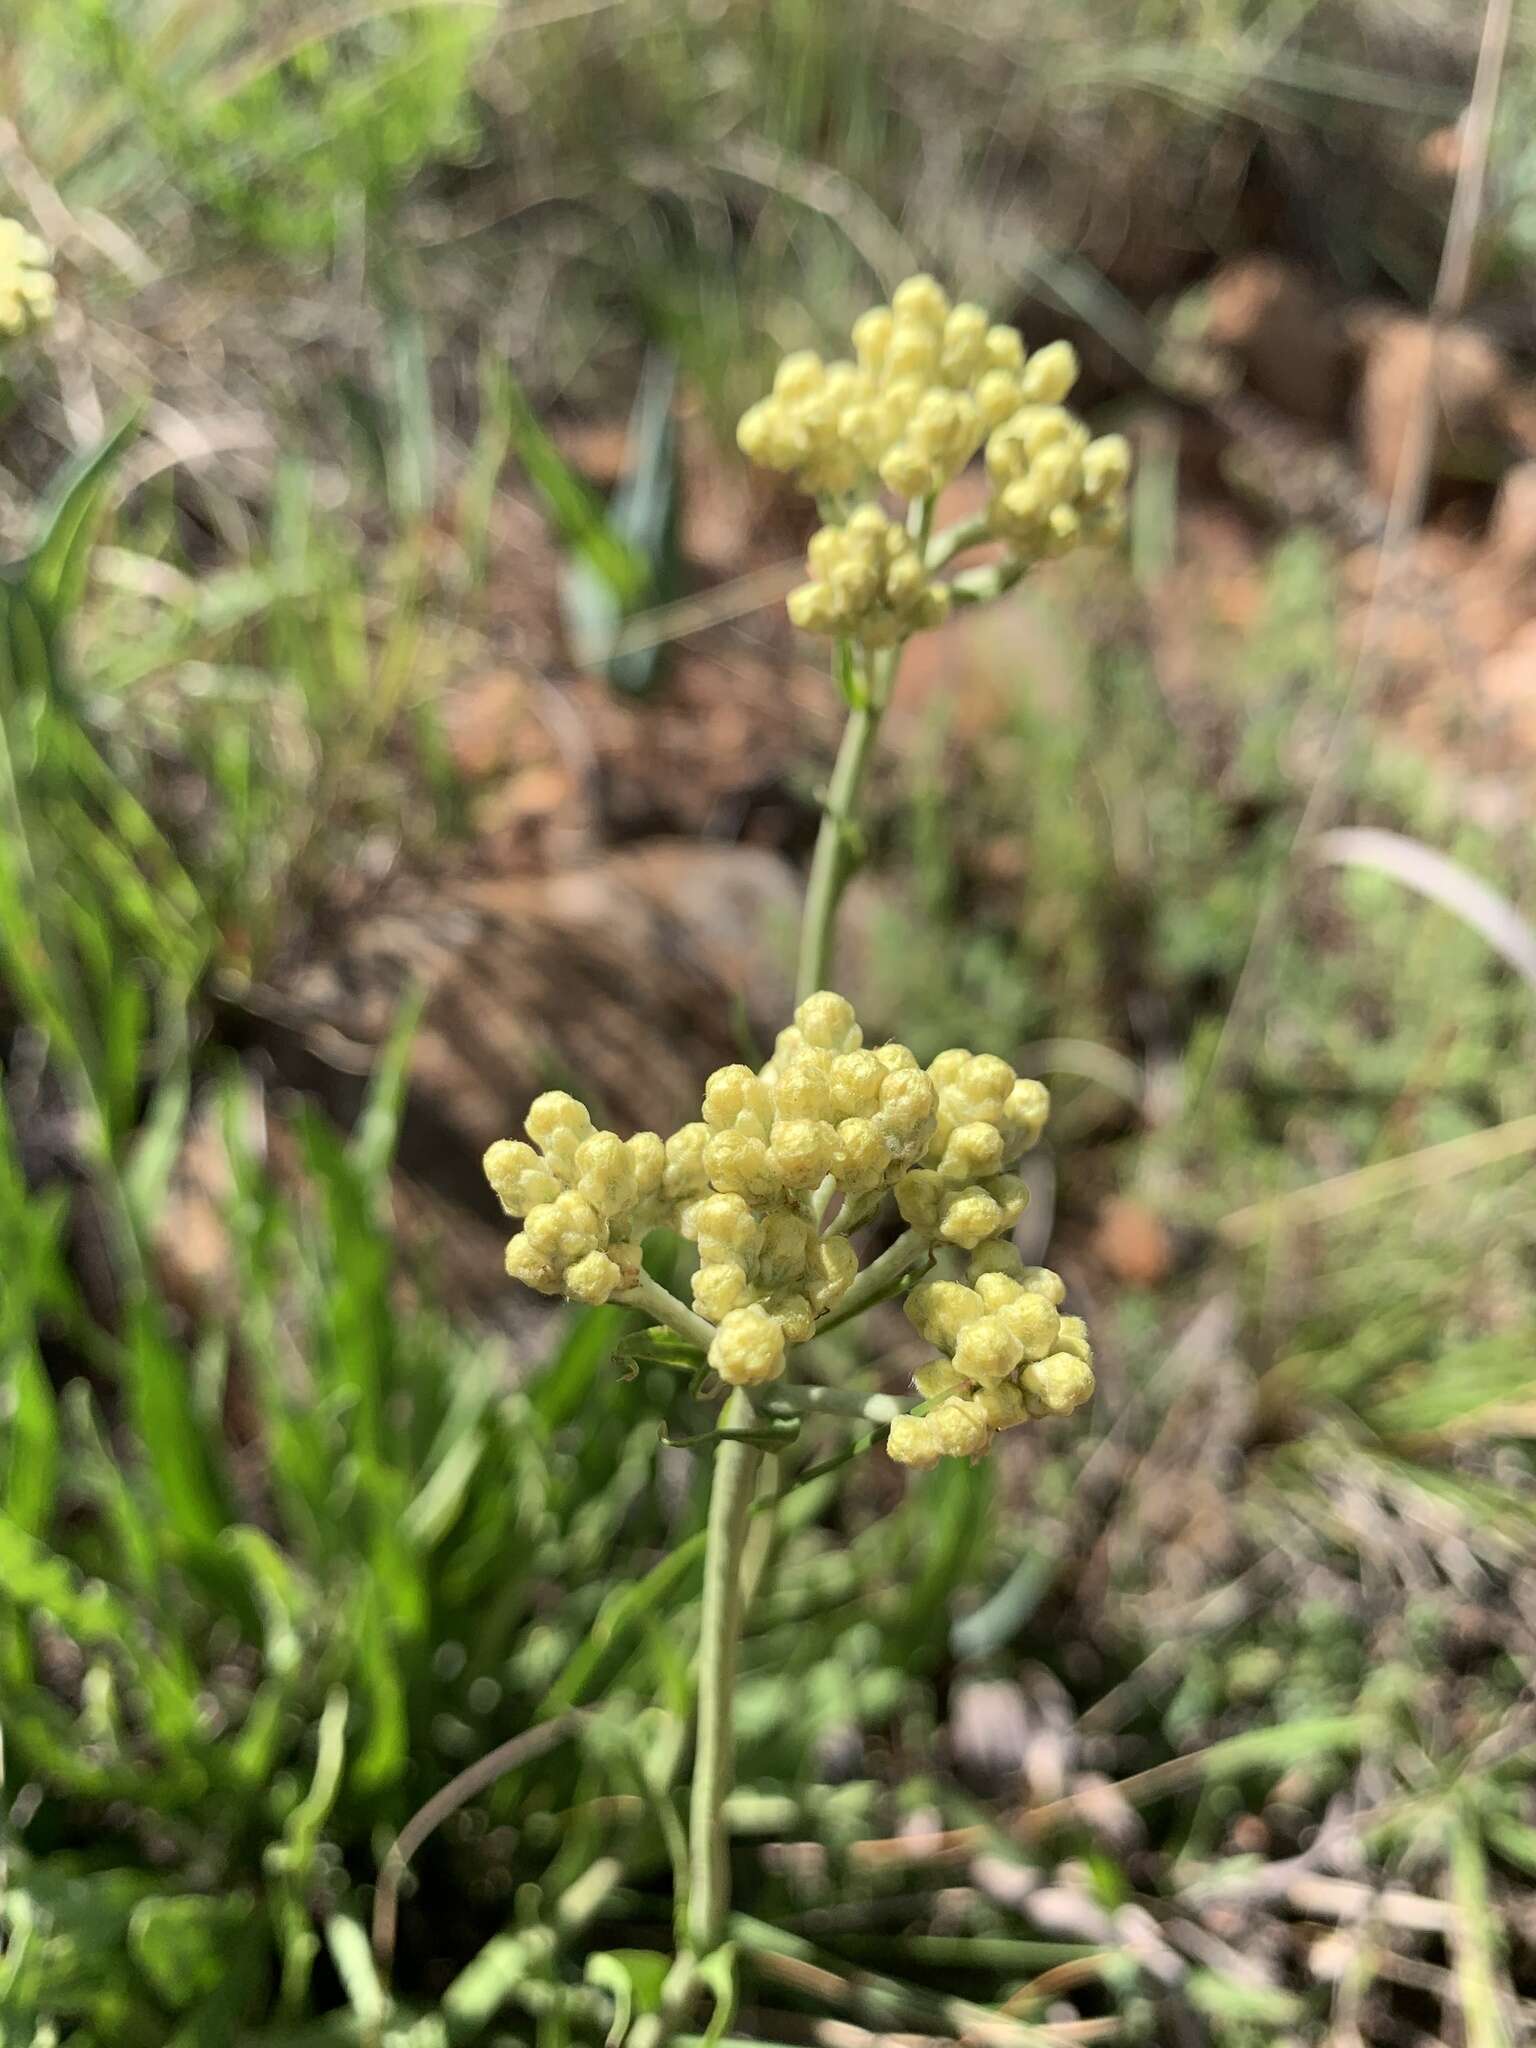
(766, 1185)
(28, 294)
(930, 384)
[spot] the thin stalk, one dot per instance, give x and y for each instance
(664, 1307)
(829, 862)
(830, 865)
(730, 1508)
(881, 1409)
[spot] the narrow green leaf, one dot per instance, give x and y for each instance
(56, 566)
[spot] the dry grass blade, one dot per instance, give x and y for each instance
(717, 607)
(1325, 1199)
(1444, 881)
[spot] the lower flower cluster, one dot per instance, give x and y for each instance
(769, 1185)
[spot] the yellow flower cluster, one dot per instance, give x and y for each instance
(868, 581)
(587, 1198)
(28, 294)
(826, 1108)
(929, 383)
(1053, 485)
(750, 1185)
(1008, 1355)
(961, 1192)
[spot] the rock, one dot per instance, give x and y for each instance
(627, 981)
(1285, 332)
(1133, 1242)
(1472, 395)
(1512, 528)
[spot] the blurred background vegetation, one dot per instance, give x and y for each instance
(397, 717)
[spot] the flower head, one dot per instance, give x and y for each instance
(28, 294)
(929, 384)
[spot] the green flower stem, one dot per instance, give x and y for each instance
(981, 586)
(663, 1307)
(954, 540)
(880, 1409)
(730, 1508)
(829, 862)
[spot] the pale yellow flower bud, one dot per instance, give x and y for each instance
(1050, 373)
(872, 336)
(939, 1310)
(935, 1380)
(855, 1079)
(565, 1229)
(827, 1022)
(724, 1226)
(837, 1266)
(794, 1315)
(718, 1288)
(519, 1176)
(1041, 1280)
(1106, 466)
(799, 376)
(1073, 1337)
(736, 1099)
(787, 1249)
(748, 1347)
(1033, 1322)
(803, 1152)
(973, 1150)
(1005, 348)
(999, 1257)
(804, 1089)
(593, 1279)
(967, 1215)
(912, 1441)
(988, 1349)
(960, 1427)
(605, 1174)
(964, 353)
(739, 1164)
(921, 299)
(1026, 1113)
(685, 1178)
(1003, 1405)
(999, 394)
(861, 1160)
(532, 1267)
(919, 1198)
(1057, 1384)
(558, 1124)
